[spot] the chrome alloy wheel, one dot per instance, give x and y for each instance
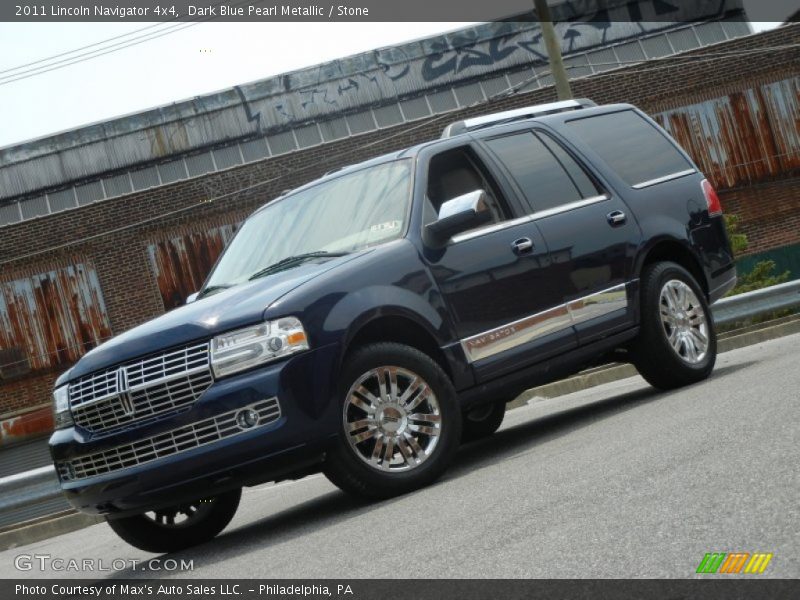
(392, 419)
(684, 321)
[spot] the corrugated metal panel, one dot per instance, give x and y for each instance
(254, 150)
(334, 129)
(89, 192)
(281, 143)
(469, 94)
(360, 122)
(117, 185)
(62, 200)
(171, 171)
(495, 85)
(308, 136)
(415, 108)
(683, 39)
(577, 66)
(199, 164)
(9, 213)
(182, 263)
(711, 33)
(742, 137)
(519, 78)
(145, 178)
(34, 207)
(656, 46)
(603, 60)
(443, 101)
(227, 157)
(52, 318)
(629, 52)
(389, 115)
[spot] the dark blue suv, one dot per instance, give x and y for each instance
(368, 322)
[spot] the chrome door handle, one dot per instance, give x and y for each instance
(522, 245)
(616, 217)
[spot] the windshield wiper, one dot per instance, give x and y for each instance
(212, 289)
(291, 261)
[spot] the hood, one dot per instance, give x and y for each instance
(238, 306)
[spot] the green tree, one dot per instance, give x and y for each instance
(763, 273)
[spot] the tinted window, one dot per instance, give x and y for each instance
(631, 146)
(586, 188)
(546, 178)
(454, 173)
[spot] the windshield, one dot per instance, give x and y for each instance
(349, 213)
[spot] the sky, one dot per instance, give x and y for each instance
(192, 60)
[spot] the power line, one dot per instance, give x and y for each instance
(93, 54)
(111, 39)
(128, 43)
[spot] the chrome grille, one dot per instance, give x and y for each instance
(141, 391)
(168, 443)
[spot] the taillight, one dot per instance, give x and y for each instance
(712, 200)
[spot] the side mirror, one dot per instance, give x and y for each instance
(191, 298)
(462, 213)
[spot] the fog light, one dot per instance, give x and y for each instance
(246, 418)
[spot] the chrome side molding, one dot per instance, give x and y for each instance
(552, 320)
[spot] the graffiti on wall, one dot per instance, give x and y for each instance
(50, 319)
(480, 51)
(181, 263)
(743, 137)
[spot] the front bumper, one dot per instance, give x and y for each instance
(203, 451)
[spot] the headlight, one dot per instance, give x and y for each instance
(61, 413)
(252, 346)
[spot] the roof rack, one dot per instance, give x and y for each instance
(517, 114)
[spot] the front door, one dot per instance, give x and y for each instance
(494, 279)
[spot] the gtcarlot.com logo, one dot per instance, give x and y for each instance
(734, 562)
(48, 562)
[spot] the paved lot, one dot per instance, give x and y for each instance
(616, 481)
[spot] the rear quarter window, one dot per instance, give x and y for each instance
(636, 150)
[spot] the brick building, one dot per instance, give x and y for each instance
(136, 210)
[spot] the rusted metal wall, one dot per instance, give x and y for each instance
(181, 263)
(50, 319)
(743, 137)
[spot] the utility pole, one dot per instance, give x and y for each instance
(553, 50)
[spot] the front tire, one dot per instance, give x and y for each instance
(178, 527)
(400, 422)
(677, 343)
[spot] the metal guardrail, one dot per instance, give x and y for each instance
(40, 486)
(752, 304)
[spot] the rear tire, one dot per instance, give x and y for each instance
(400, 425)
(204, 519)
(482, 421)
(677, 342)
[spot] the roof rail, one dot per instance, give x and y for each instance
(517, 114)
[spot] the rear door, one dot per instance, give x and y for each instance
(590, 232)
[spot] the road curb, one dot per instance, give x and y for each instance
(595, 377)
(45, 528)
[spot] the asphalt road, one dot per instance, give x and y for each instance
(616, 481)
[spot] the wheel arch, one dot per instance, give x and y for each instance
(399, 328)
(679, 252)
